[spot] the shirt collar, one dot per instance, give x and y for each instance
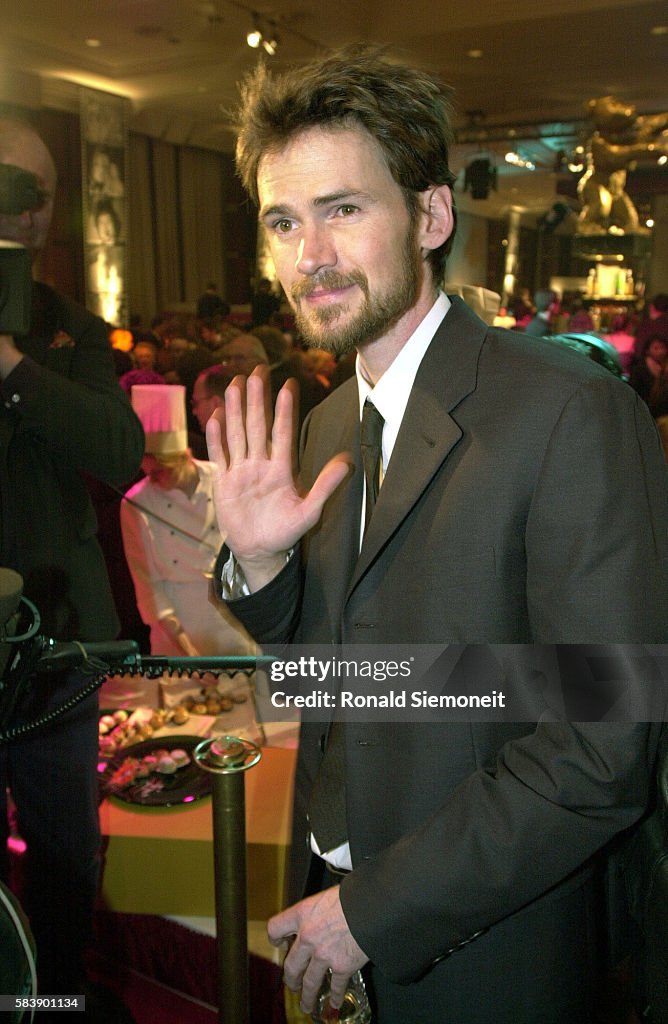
(390, 395)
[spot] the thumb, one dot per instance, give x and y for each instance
(330, 477)
(282, 926)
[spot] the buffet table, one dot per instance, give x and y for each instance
(158, 865)
(156, 912)
(159, 860)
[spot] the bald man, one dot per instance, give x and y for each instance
(21, 147)
(62, 414)
(244, 353)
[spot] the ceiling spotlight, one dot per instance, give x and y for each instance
(263, 34)
(519, 161)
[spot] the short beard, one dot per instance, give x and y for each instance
(377, 314)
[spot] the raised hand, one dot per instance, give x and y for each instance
(259, 508)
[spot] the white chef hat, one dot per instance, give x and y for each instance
(162, 411)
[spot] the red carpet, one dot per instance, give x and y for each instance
(146, 1001)
(166, 973)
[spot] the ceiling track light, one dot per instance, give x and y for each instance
(263, 35)
(518, 160)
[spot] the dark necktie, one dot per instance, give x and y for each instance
(371, 435)
(327, 806)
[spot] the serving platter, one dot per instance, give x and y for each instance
(182, 786)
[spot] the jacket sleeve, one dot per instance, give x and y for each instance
(74, 406)
(504, 837)
(270, 615)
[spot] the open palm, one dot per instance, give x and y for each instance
(259, 508)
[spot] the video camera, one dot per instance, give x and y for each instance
(19, 192)
(26, 655)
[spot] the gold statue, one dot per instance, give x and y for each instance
(621, 136)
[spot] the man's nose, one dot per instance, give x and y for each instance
(316, 249)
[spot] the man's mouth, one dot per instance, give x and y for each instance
(324, 296)
(328, 288)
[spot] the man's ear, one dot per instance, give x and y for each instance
(436, 219)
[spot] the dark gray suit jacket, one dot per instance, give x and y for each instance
(525, 502)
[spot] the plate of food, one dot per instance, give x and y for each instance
(123, 728)
(158, 772)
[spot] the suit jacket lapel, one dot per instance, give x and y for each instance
(339, 542)
(447, 374)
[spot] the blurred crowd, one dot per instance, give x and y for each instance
(632, 340)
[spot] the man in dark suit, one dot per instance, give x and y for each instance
(62, 415)
(522, 500)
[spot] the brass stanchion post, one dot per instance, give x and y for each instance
(227, 758)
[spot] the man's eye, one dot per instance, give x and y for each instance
(347, 209)
(283, 226)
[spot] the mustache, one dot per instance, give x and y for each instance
(328, 279)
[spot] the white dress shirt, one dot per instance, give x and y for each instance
(391, 393)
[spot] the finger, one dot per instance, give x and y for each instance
(282, 926)
(330, 477)
(264, 372)
(312, 982)
(258, 411)
(292, 385)
(216, 439)
(337, 989)
(295, 964)
(284, 433)
(235, 425)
